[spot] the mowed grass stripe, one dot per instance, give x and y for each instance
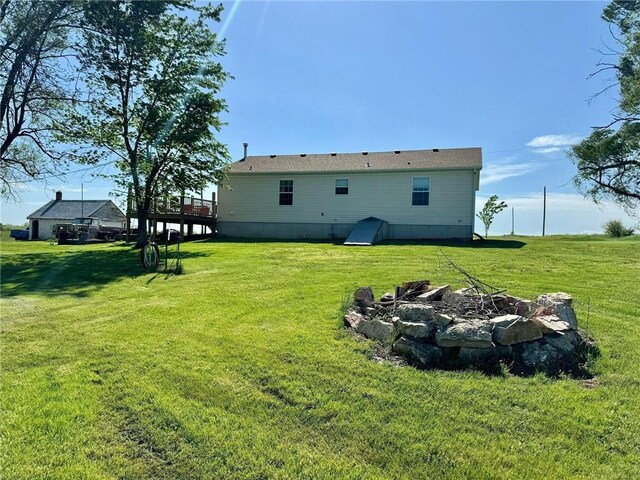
(239, 367)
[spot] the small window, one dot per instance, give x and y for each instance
(286, 192)
(342, 186)
(420, 191)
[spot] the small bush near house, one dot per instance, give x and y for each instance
(615, 228)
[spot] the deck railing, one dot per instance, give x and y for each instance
(177, 205)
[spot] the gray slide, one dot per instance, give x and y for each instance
(366, 232)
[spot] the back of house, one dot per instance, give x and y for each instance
(418, 194)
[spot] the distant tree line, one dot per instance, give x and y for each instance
(8, 226)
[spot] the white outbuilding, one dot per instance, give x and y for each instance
(57, 211)
(418, 194)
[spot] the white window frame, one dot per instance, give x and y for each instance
(420, 191)
(335, 187)
(280, 192)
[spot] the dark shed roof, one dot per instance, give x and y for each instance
(71, 209)
(435, 159)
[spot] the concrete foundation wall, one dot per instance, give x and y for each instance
(330, 231)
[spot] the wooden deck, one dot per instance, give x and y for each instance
(184, 210)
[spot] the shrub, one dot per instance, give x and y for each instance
(615, 228)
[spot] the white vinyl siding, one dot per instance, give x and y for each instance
(386, 195)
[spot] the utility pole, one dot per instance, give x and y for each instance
(544, 209)
(512, 221)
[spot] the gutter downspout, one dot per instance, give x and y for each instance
(476, 187)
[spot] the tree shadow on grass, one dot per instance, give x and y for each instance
(74, 272)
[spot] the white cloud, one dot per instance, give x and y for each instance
(554, 141)
(548, 150)
(552, 144)
(497, 171)
(566, 213)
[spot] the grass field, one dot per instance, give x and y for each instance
(239, 368)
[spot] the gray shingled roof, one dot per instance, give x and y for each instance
(436, 159)
(69, 208)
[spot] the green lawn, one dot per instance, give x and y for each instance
(239, 368)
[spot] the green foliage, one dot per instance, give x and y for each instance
(238, 368)
(615, 228)
(489, 211)
(9, 226)
(608, 165)
(153, 75)
(623, 15)
(34, 87)
(608, 160)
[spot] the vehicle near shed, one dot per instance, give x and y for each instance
(19, 234)
(86, 228)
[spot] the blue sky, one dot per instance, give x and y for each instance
(510, 77)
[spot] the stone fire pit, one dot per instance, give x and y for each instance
(433, 326)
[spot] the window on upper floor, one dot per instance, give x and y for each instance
(420, 191)
(286, 192)
(342, 186)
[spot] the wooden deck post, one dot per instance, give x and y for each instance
(155, 219)
(214, 210)
(128, 213)
(182, 217)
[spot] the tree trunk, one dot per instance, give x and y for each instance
(142, 227)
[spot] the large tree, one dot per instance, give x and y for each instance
(152, 75)
(608, 160)
(35, 85)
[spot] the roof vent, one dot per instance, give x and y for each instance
(303, 154)
(396, 151)
(365, 153)
(436, 149)
(408, 163)
(333, 154)
(272, 155)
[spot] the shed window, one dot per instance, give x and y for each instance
(342, 186)
(420, 191)
(286, 192)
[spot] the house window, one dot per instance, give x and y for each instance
(286, 192)
(342, 186)
(420, 191)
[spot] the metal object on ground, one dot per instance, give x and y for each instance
(150, 256)
(366, 232)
